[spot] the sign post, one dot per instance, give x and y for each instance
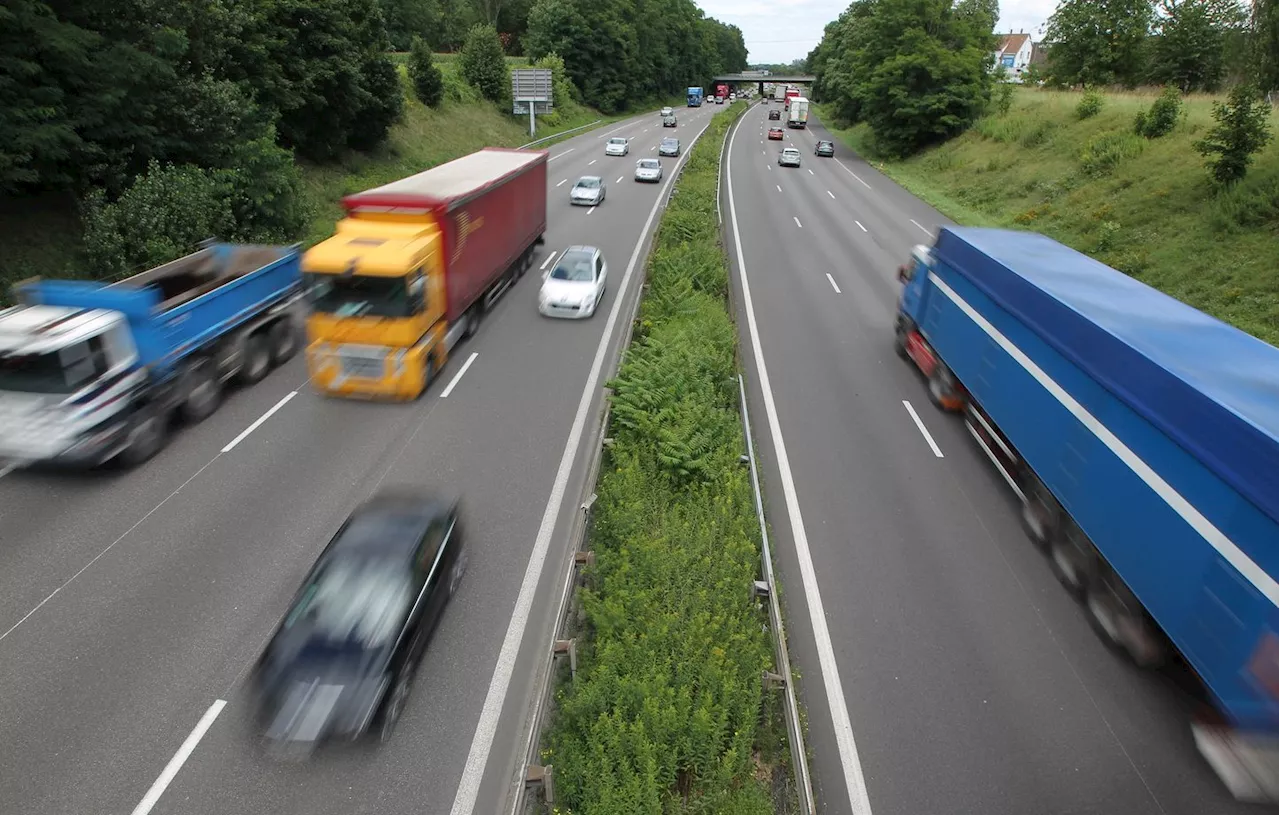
(531, 89)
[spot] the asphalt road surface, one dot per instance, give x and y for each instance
(968, 680)
(132, 604)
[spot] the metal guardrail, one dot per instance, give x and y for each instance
(561, 133)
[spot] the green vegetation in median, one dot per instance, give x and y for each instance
(1146, 206)
(666, 711)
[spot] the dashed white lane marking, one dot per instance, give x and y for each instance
(832, 280)
(458, 376)
(832, 196)
(924, 431)
(561, 155)
(179, 758)
(592, 161)
(860, 226)
(546, 262)
(797, 220)
(244, 433)
(562, 183)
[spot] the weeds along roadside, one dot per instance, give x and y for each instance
(667, 711)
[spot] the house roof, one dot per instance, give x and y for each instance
(1012, 43)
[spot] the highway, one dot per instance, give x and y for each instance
(133, 603)
(943, 668)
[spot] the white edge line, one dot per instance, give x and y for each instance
(458, 376)
(833, 282)
(486, 728)
(852, 173)
(179, 758)
(560, 155)
(244, 433)
(922, 228)
(924, 431)
(855, 782)
(1241, 562)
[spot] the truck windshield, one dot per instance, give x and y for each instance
(63, 371)
(359, 295)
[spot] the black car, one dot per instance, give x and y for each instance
(825, 148)
(342, 661)
(775, 115)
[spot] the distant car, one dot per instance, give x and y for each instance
(589, 191)
(825, 148)
(666, 112)
(775, 133)
(669, 121)
(617, 146)
(775, 115)
(669, 147)
(789, 157)
(575, 284)
(342, 661)
(649, 169)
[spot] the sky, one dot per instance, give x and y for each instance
(779, 31)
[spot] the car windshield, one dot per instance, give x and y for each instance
(588, 183)
(617, 141)
(649, 164)
(669, 142)
(57, 372)
(575, 268)
(357, 600)
(359, 295)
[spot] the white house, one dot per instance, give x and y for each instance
(1014, 53)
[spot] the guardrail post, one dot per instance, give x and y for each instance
(570, 647)
(770, 680)
(536, 775)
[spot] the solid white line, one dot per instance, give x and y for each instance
(453, 382)
(284, 401)
(592, 161)
(545, 263)
(179, 758)
(925, 230)
(562, 183)
(860, 226)
(482, 743)
(833, 282)
(832, 196)
(561, 155)
(855, 782)
(852, 173)
(924, 431)
(797, 220)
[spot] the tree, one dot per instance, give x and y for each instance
(1098, 42)
(483, 64)
(1264, 52)
(406, 19)
(1190, 49)
(428, 84)
(1243, 127)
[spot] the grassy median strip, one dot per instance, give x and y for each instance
(667, 713)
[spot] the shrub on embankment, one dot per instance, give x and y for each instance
(665, 714)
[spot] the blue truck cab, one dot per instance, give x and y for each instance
(90, 371)
(694, 97)
(1141, 436)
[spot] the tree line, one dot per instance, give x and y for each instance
(171, 122)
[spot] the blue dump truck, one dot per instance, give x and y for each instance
(1141, 437)
(694, 96)
(91, 372)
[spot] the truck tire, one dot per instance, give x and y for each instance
(942, 386)
(473, 320)
(900, 342)
(1039, 515)
(203, 391)
(149, 435)
(283, 340)
(255, 361)
(1119, 620)
(1072, 563)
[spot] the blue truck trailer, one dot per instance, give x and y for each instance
(91, 372)
(1141, 437)
(694, 97)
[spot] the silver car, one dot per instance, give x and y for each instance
(589, 191)
(648, 169)
(789, 157)
(669, 147)
(617, 146)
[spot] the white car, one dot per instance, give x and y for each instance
(789, 157)
(666, 112)
(617, 146)
(589, 191)
(575, 284)
(649, 169)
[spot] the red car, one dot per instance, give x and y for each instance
(775, 133)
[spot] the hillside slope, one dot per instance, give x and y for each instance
(1143, 207)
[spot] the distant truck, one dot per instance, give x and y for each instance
(797, 112)
(1140, 436)
(780, 93)
(790, 93)
(91, 372)
(722, 91)
(694, 97)
(414, 266)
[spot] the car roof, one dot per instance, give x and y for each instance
(389, 523)
(578, 249)
(670, 138)
(588, 178)
(648, 161)
(617, 139)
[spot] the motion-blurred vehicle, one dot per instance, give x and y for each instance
(588, 191)
(775, 115)
(826, 149)
(342, 661)
(669, 121)
(789, 157)
(648, 169)
(91, 372)
(669, 147)
(775, 133)
(575, 284)
(414, 267)
(617, 146)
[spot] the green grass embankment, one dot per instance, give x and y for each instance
(1145, 207)
(667, 713)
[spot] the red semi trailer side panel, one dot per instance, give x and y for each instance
(491, 206)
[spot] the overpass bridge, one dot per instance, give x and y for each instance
(761, 81)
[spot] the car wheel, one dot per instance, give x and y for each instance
(456, 573)
(395, 704)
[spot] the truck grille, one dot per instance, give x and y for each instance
(362, 362)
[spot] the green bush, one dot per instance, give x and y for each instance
(1090, 105)
(1243, 127)
(428, 83)
(664, 715)
(1162, 116)
(1002, 98)
(483, 64)
(1106, 152)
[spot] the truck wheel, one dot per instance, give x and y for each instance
(256, 360)
(283, 339)
(942, 386)
(1039, 515)
(1072, 566)
(1117, 617)
(148, 437)
(203, 391)
(900, 342)
(473, 322)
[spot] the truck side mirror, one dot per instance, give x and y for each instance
(902, 273)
